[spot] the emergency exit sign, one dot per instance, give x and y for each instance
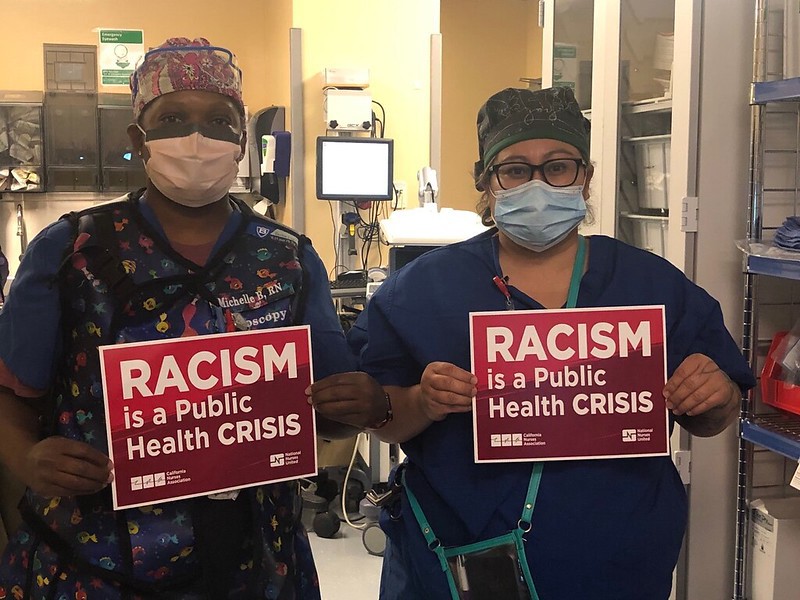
(119, 53)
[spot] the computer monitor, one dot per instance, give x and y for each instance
(355, 168)
(400, 256)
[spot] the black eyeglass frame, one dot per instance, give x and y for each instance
(493, 170)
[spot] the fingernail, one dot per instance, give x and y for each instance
(110, 477)
(309, 400)
(308, 391)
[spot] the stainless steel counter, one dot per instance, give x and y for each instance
(24, 215)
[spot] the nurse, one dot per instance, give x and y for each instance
(178, 258)
(600, 529)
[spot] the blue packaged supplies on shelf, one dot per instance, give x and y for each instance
(788, 235)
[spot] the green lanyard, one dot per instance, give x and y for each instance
(524, 523)
(574, 282)
(577, 273)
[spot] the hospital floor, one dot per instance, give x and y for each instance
(346, 570)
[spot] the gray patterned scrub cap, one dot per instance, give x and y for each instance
(513, 115)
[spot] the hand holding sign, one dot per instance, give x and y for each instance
(698, 385)
(353, 398)
(59, 466)
(446, 388)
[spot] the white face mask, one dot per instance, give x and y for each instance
(536, 215)
(192, 165)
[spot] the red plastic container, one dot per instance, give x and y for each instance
(775, 392)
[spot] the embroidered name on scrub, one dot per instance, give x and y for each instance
(252, 300)
(274, 316)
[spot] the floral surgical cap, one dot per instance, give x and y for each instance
(183, 64)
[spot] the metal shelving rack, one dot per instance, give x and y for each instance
(776, 432)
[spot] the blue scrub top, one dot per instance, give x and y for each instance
(602, 529)
(30, 334)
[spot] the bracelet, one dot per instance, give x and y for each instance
(389, 414)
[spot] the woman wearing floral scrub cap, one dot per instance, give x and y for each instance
(211, 250)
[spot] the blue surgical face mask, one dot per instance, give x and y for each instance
(536, 215)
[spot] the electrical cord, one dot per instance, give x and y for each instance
(369, 232)
(336, 264)
(383, 117)
(344, 484)
(374, 132)
(376, 230)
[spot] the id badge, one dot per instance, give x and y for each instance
(489, 573)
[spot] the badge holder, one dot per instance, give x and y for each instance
(491, 569)
(495, 568)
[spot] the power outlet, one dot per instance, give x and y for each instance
(402, 194)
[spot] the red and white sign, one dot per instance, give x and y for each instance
(208, 414)
(569, 384)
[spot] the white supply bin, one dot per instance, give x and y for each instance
(652, 171)
(774, 42)
(791, 39)
(649, 232)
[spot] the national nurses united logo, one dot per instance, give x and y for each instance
(637, 435)
(277, 460)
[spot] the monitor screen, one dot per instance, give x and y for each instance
(400, 256)
(352, 168)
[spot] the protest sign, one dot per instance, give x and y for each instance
(569, 384)
(208, 414)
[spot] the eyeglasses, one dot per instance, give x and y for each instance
(559, 172)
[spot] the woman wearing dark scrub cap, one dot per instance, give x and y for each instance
(607, 529)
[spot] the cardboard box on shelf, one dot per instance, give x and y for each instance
(775, 548)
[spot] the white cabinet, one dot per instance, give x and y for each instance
(634, 66)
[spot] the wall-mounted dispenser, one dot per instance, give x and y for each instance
(269, 153)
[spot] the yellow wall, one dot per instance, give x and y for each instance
(258, 36)
(392, 39)
(486, 46)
